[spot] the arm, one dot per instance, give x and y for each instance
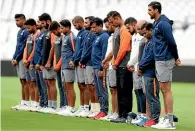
(51, 53)
(124, 45)
(168, 36)
(147, 59)
(141, 49)
(22, 45)
(104, 49)
(134, 56)
(25, 53)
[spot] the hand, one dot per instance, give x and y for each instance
(71, 64)
(31, 67)
(100, 73)
(131, 68)
(41, 68)
(14, 62)
(26, 63)
(81, 65)
(105, 65)
(114, 66)
(56, 69)
(37, 67)
(48, 66)
(139, 72)
(178, 62)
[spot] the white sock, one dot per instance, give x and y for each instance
(86, 107)
(97, 107)
(22, 102)
(32, 103)
(36, 103)
(93, 107)
(49, 103)
(143, 115)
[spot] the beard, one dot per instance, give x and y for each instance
(87, 28)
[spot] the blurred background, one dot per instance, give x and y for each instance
(180, 11)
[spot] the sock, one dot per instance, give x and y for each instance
(97, 107)
(170, 117)
(22, 102)
(54, 104)
(49, 104)
(86, 107)
(93, 107)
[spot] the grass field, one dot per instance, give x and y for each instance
(184, 108)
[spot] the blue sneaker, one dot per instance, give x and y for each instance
(142, 122)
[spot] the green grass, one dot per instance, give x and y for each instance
(184, 108)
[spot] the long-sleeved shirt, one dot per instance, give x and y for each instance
(165, 47)
(30, 46)
(99, 49)
(79, 45)
(147, 62)
(67, 50)
(121, 46)
(21, 43)
(136, 39)
(38, 49)
(87, 49)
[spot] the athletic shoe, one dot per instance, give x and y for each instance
(142, 122)
(136, 120)
(78, 112)
(69, 112)
(16, 107)
(43, 110)
(106, 117)
(166, 124)
(92, 114)
(51, 111)
(99, 115)
(84, 113)
(149, 123)
(119, 120)
(113, 116)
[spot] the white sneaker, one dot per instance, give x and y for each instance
(15, 107)
(77, 113)
(165, 124)
(34, 108)
(84, 113)
(70, 111)
(113, 116)
(51, 111)
(43, 110)
(92, 114)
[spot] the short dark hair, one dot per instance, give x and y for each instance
(20, 16)
(78, 19)
(148, 26)
(90, 18)
(45, 17)
(113, 14)
(30, 22)
(105, 20)
(130, 20)
(97, 21)
(144, 25)
(65, 23)
(156, 5)
(54, 25)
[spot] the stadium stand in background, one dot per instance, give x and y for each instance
(181, 11)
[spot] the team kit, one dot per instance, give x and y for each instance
(127, 55)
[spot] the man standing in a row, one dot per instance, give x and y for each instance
(98, 53)
(17, 59)
(78, 23)
(121, 51)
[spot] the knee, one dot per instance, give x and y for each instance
(165, 89)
